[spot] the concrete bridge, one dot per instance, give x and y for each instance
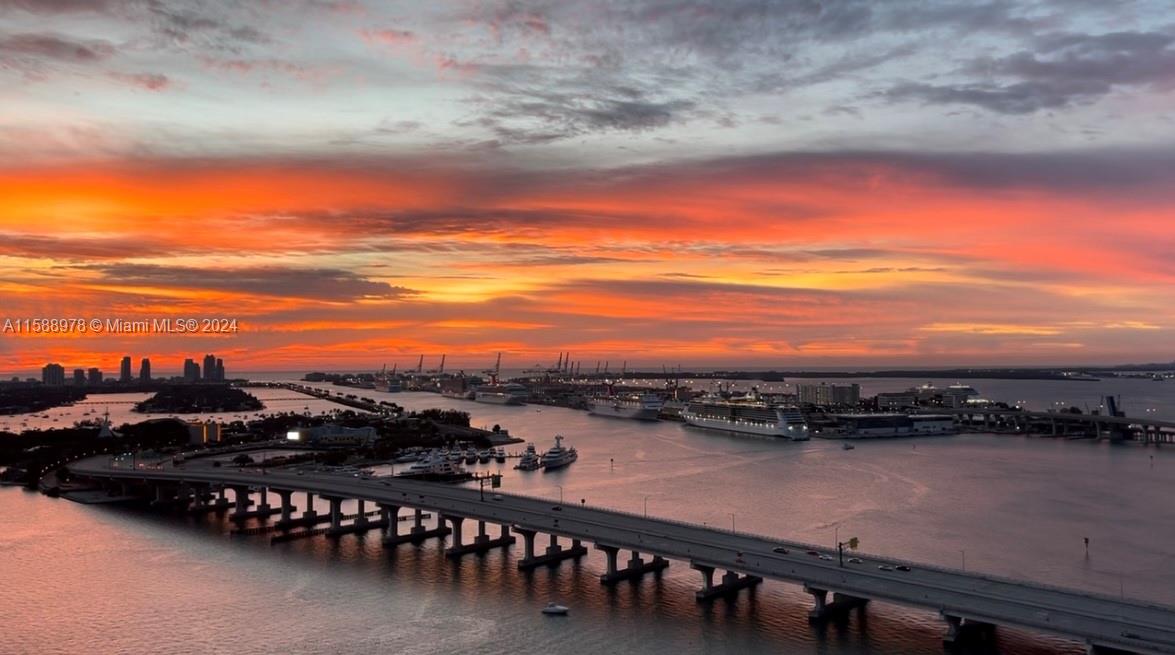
(968, 602)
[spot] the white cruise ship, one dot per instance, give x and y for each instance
(643, 407)
(747, 417)
(558, 456)
(501, 394)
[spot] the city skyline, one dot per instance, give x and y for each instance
(745, 183)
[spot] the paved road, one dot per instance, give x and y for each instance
(1100, 620)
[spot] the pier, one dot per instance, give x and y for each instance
(962, 598)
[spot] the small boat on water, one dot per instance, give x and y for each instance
(554, 609)
(470, 455)
(847, 446)
(530, 460)
(500, 455)
(484, 456)
(436, 468)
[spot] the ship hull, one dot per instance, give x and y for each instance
(554, 466)
(738, 428)
(621, 411)
(497, 399)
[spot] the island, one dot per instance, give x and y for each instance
(199, 398)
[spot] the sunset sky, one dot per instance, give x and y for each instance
(707, 182)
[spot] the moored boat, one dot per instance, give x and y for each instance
(558, 456)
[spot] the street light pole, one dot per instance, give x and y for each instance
(560, 493)
(646, 507)
(732, 521)
(963, 552)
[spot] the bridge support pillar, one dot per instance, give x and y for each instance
(287, 498)
(263, 506)
(954, 623)
(822, 609)
(457, 521)
(221, 501)
(528, 541)
(553, 555)
(731, 583)
(707, 577)
(418, 533)
(482, 542)
(389, 515)
(242, 501)
(308, 514)
(164, 495)
(635, 570)
(336, 512)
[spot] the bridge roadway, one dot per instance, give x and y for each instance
(1099, 621)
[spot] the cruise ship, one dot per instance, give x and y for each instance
(501, 394)
(747, 417)
(643, 407)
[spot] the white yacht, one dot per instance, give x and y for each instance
(484, 456)
(500, 455)
(530, 459)
(558, 456)
(642, 407)
(434, 466)
(470, 455)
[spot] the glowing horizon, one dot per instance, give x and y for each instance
(663, 189)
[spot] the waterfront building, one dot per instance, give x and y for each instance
(94, 376)
(79, 377)
(203, 432)
(124, 370)
(209, 368)
(191, 371)
(896, 400)
(333, 435)
(145, 370)
(829, 394)
(53, 374)
(865, 426)
(219, 370)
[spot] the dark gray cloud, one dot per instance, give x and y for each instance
(1060, 70)
(313, 284)
(25, 47)
(57, 6)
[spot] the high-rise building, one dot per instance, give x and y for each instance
(94, 376)
(79, 377)
(124, 370)
(145, 370)
(191, 371)
(53, 374)
(210, 367)
(219, 370)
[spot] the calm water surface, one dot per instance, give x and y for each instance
(1008, 505)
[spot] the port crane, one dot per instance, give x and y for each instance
(493, 373)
